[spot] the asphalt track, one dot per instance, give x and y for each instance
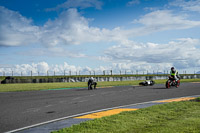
(21, 109)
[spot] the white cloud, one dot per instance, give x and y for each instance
(182, 53)
(161, 20)
(191, 5)
(42, 68)
(140, 67)
(15, 29)
(82, 4)
(70, 28)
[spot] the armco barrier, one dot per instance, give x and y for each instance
(85, 79)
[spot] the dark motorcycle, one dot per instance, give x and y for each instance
(91, 83)
(172, 82)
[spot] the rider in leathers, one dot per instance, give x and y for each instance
(174, 74)
(91, 82)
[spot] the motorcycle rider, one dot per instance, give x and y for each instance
(91, 82)
(174, 74)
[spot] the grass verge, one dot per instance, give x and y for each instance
(175, 117)
(46, 86)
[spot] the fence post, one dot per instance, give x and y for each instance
(31, 73)
(47, 73)
(12, 73)
(111, 72)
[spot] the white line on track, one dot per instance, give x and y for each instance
(72, 116)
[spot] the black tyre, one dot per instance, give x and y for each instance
(178, 84)
(152, 83)
(167, 85)
(141, 83)
(90, 86)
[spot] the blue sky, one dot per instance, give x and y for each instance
(97, 35)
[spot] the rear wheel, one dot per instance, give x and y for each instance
(167, 84)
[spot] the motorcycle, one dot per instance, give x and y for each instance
(172, 82)
(91, 83)
(147, 83)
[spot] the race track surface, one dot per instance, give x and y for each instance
(21, 109)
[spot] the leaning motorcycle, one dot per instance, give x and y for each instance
(90, 84)
(172, 82)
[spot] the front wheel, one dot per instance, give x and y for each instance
(178, 84)
(90, 86)
(152, 83)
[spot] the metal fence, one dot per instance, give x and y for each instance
(93, 72)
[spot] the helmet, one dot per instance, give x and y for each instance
(172, 69)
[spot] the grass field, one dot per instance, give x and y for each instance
(46, 86)
(175, 117)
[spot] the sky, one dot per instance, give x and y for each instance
(90, 36)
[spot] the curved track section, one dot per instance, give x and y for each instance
(22, 109)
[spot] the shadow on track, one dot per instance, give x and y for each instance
(82, 89)
(164, 88)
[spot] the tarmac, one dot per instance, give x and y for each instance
(60, 123)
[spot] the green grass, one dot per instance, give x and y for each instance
(38, 86)
(175, 117)
(46, 86)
